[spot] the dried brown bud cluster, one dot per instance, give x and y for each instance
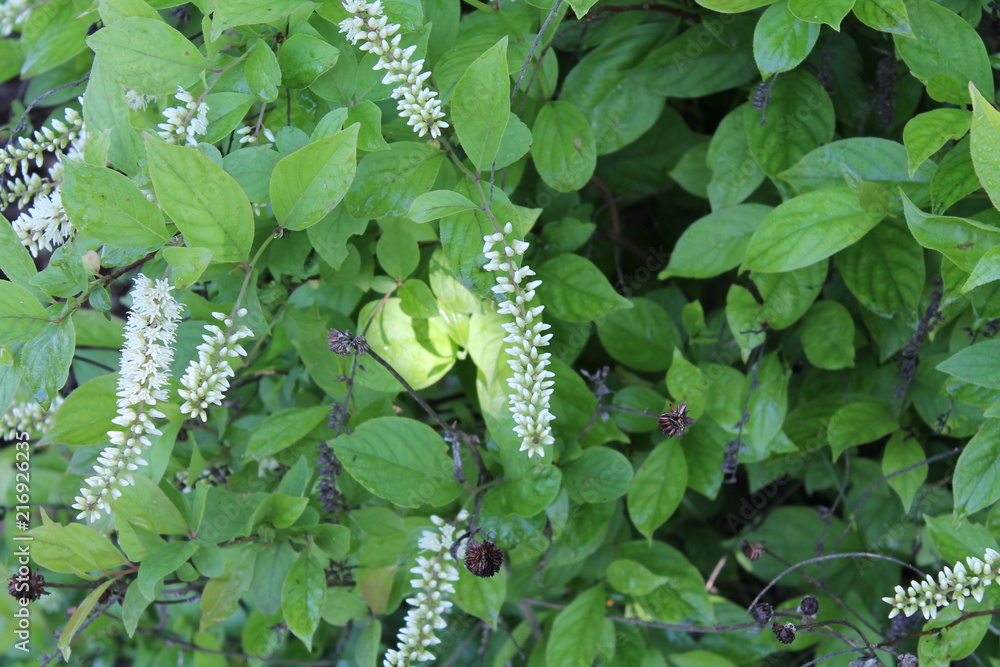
(483, 559)
(27, 588)
(784, 633)
(809, 606)
(752, 550)
(675, 421)
(344, 342)
(762, 612)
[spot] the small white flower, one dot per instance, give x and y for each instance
(28, 417)
(207, 378)
(953, 584)
(13, 15)
(184, 123)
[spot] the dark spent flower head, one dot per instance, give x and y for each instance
(809, 606)
(675, 421)
(344, 342)
(30, 587)
(483, 559)
(762, 612)
(784, 633)
(752, 550)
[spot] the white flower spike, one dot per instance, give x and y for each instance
(953, 584)
(529, 400)
(184, 123)
(207, 378)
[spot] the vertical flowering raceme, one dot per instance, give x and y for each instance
(42, 224)
(145, 362)
(186, 122)
(417, 104)
(28, 417)
(529, 401)
(207, 378)
(13, 15)
(435, 574)
(953, 584)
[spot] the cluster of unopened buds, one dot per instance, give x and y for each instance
(953, 584)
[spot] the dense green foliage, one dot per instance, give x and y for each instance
(782, 215)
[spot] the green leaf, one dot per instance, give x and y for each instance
(148, 56)
(333, 540)
(657, 488)
(52, 35)
(733, 6)
(149, 508)
(367, 649)
(186, 264)
(885, 269)
(573, 640)
(108, 206)
(781, 41)
(388, 181)
(830, 12)
(563, 147)
(961, 240)
(985, 142)
(811, 227)
(687, 384)
(957, 540)
(21, 316)
(309, 183)
(46, 359)
(302, 596)
(303, 58)
(438, 204)
(926, 133)
(234, 13)
(575, 290)
(827, 334)
(946, 646)
(902, 451)
(715, 243)
(157, 565)
(481, 597)
(133, 607)
(598, 475)
(85, 415)
(859, 423)
(987, 270)
(284, 428)
(285, 510)
(398, 253)
(74, 548)
(787, 296)
(735, 174)
(401, 460)
(632, 578)
(643, 337)
(799, 117)
(745, 318)
(978, 364)
(80, 615)
(480, 105)
(944, 52)
(205, 203)
(262, 72)
(683, 596)
(884, 15)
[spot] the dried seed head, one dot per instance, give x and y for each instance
(483, 559)
(675, 421)
(344, 342)
(762, 612)
(784, 633)
(752, 550)
(908, 660)
(28, 588)
(809, 606)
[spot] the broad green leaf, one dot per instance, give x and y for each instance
(149, 508)
(481, 105)
(715, 243)
(85, 416)
(133, 607)
(735, 174)
(252, 168)
(883, 15)
(954, 178)
(767, 406)
(438, 204)
(284, 428)
(978, 364)
(309, 183)
(79, 617)
(401, 460)
(733, 6)
(830, 12)
(745, 317)
(987, 270)
(902, 451)
(787, 296)
(234, 13)
(985, 142)
(944, 52)
(186, 264)
(687, 384)
(398, 253)
(563, 147)
(926, 133)
(798, 118)
(642, 337)
(108, 206)
(632, 578)
(957, 540)
(885, 269)
(221, 596)
(21, 316)
(858, 423)
(781, 40)
(262, 72)
(388, 181)
(366, 651)
(45, 360)
(598, 475)
(811, 227)
(302, 596)
(303, 58)
(205, 203)
(15, 262)
(530, 492)
(827, 334)
(657, 488)
(948, 646)
(962, 240)
(162, 562)
(683, 596)
(74, 548)
(573, 640)
(575, 290)
(52, 34)
(148, 56)
(481, 597)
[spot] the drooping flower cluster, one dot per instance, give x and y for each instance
(137, 101)
(435, 573)
(28, 417)
(42, 224)
(248, 136)
(13, 15)
(529, 401)
(186, 122)
(953, 584)
(207, 378)
(150, 333)
(417, 104)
